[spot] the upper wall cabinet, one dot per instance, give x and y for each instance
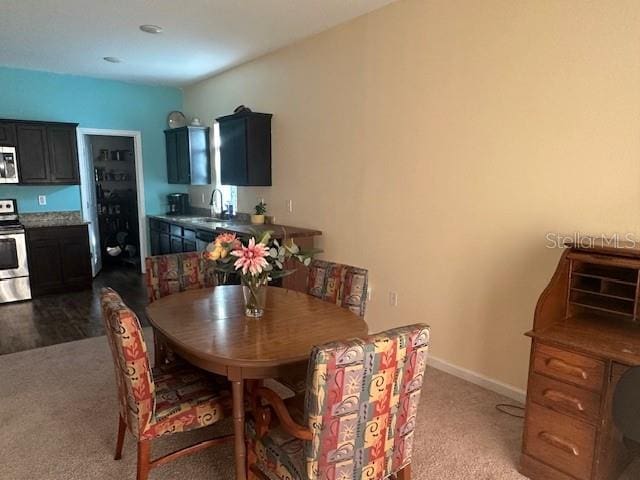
(47, 152)
(245, 149)
(8, 134)
(63, 154)
(188, 156)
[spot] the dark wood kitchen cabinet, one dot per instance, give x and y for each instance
(33, 154)
(159, 237)
(63, 154)
(47, 151)
(188, 155)
(245, 149)
(7, 134)
(154, 242)
(170, 238)
(59, 259)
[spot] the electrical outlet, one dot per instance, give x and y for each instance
(393, 299)
(290, 206)
(202, 198)
(42, 199)
(369, 294)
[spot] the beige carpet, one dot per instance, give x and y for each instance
(58, 420)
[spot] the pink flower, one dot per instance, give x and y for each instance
(251, 258)
(229, 238)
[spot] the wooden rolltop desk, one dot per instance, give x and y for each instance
(586, 334)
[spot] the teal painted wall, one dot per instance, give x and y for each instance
(93, 103)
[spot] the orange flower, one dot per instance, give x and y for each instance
(228, 238)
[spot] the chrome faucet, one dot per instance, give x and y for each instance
(212, 204)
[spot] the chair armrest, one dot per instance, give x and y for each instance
(263, 415)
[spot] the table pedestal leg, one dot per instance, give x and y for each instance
(237, 388)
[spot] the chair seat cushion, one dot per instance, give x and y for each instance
(279, 455)
(186, 398)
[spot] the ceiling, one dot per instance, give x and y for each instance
(200, 37)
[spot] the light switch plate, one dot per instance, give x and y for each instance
(42, 199)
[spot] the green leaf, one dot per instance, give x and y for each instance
(293, 248)
(266, 236)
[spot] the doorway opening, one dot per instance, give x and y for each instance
(113, 198)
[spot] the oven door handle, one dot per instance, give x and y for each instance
(3, 167)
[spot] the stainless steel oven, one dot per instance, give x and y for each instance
(14, 268)
(8, 165)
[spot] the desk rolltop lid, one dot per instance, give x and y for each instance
(606, 246)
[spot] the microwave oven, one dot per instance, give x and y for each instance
(8, 165)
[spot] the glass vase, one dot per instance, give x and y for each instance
(255, 297)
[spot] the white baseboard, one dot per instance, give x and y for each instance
(477, 379)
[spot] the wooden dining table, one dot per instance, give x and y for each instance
(208, 328)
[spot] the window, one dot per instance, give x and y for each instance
(230, 192)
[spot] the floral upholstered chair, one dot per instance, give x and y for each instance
(159, 401)
(359, 416)
(177, 272)
(343, 285)
(173, 273)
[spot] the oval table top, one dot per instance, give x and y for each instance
(209, 324)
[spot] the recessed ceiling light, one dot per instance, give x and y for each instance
(154, 29)
(112, 59)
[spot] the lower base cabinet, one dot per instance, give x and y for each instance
(59, 259)
(170, 238)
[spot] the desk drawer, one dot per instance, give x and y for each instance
(564, 398)
(569, 367)
(560, 441)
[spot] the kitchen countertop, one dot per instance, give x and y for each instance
(51, 219)
(200, 222)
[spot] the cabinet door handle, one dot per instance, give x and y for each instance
(560, 397)
(564, 367)
(558, 442)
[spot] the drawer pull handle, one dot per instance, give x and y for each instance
(557, 442)
(564, 367)
(559, 397)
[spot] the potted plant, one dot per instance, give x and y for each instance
(258, 217)
(258, 261)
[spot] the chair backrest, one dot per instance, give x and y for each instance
(361, 404)
(136, 389)
(343, 285)
(177, 272)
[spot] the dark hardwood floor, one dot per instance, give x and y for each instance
(53, 319)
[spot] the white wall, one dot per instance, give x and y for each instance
(437, 142)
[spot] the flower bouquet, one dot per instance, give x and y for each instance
(258, 262)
